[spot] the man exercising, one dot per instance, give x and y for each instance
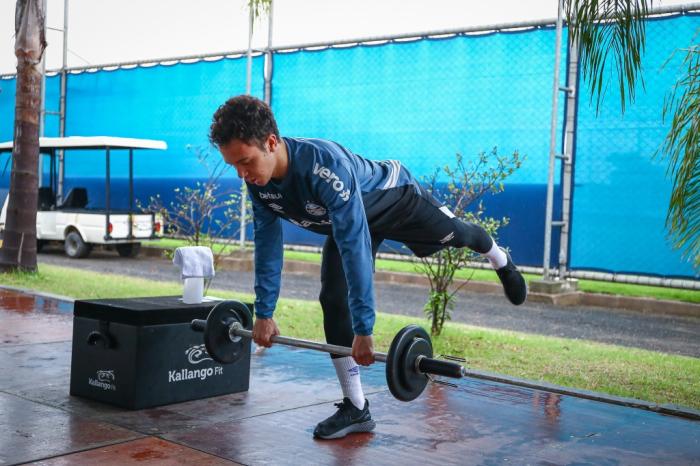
(325, 188)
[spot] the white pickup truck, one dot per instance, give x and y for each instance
(72, 221)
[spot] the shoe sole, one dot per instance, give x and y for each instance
(527, 291)
(367, 426)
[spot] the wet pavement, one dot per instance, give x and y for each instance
(479, 422)
(669, 334)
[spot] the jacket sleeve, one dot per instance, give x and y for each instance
(336, 186)
(268, 259)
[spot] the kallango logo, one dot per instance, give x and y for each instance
(332, 179)
(189, 374)
(195, 355)
(105, 380)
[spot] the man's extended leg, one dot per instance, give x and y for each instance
(353, 412)
(426, 227)
(475, 238)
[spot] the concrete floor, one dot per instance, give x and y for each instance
(290, 391)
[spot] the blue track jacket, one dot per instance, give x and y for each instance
(321, 192)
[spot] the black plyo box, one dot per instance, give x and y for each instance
(141, 352)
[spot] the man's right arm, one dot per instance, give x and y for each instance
(268, 259)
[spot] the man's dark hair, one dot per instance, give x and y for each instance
(243, 117)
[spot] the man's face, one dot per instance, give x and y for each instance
(253, 164)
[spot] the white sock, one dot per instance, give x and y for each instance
(496, 257)
(349, 376)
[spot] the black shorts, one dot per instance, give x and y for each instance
(412, 216)
(406, 214)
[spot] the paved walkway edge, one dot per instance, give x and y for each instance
(667, 408)
(577, 298)
(41, 294)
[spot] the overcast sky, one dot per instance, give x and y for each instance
(106, 31)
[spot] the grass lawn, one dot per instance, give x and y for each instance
(591, 286)
(647, 375)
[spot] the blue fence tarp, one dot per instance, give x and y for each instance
(420, 102)
(621, 191)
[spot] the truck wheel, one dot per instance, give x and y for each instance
(40, 243)
(75, 247)
(129, 249)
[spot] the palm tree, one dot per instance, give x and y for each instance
(19, 243)
(612, 33)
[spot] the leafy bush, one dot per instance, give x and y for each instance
(466, 184)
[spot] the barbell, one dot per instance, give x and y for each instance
(228, 328)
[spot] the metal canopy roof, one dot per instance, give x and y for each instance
(93, 142)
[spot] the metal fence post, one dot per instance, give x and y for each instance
(552, 147)
(248, 88)
(568, 158)
(268, 59)
(62, 102)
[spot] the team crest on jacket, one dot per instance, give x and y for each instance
(315, 209)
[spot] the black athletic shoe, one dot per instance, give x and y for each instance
(346, 420)
(513, 282)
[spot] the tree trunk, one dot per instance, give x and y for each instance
(19, 243)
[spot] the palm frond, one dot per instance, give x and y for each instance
(682, 147)
(609, 33)
(259, 7)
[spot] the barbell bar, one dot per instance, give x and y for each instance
(409, 360)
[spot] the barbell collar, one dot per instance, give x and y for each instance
(433, 366)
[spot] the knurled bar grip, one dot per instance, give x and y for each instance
(425, 365)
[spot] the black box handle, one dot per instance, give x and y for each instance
(102, 336)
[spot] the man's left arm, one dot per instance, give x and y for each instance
(340, 193)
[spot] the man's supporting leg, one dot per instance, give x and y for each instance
(348, 373)
(337, 321)
(353, 413)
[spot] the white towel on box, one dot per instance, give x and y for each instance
(194, 261)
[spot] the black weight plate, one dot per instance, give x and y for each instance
(216, 335)
(410, 376)
(404, 381)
